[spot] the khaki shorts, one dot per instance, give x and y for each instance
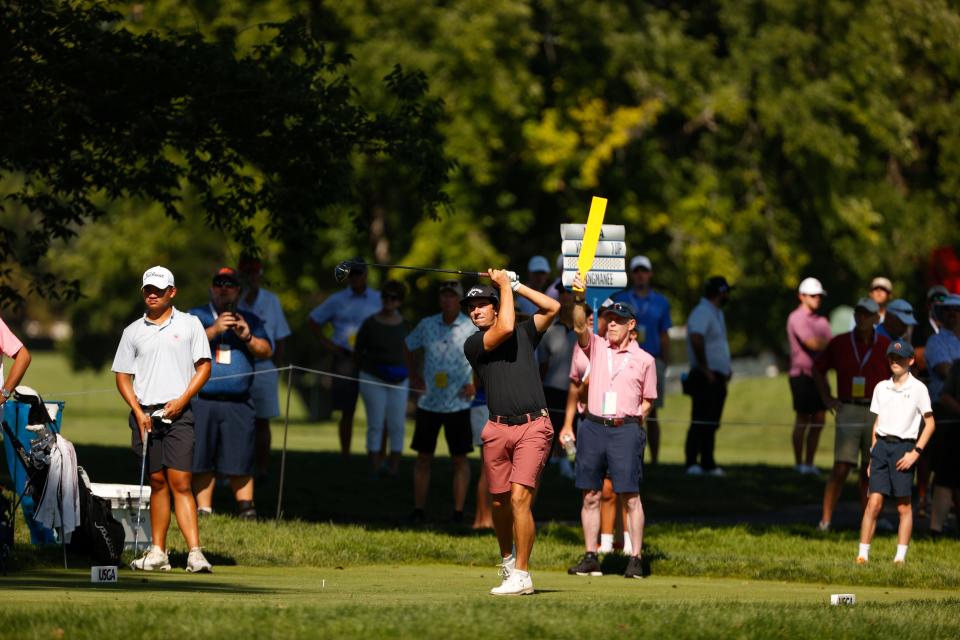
(854, 432)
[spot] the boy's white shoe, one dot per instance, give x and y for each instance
(517, 584)
(153, 559)
(197, 563)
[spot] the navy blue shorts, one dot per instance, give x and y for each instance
(225, 434)
(884, 476)
(613, 451)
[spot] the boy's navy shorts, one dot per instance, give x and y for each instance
(884, 476)
(614, 450)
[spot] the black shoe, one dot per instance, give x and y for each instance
(246, 510)
(457, 517)
(418, 517)
(589, 565)
(634, 568)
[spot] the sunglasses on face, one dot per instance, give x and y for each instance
(225, 284)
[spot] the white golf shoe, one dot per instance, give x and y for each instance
(517, 584)
(154, 559)
(197, 563)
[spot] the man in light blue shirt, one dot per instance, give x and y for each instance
(706, 383)
(264, 390)
(447, 380)
(943, 348)
(653, 323)
(345, 310)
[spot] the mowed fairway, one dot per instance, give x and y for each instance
(447, 602)
(343, 563)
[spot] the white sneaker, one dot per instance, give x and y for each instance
(153, 559)
(823, 526)
(800, 468)
(515, 585)
(196, 563)
(716, 472)
(695, 470)
(505, 568)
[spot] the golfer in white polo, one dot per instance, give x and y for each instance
(161, 363)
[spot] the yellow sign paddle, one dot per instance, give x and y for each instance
(591, 236)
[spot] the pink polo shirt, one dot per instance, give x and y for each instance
(630, 372)
(803, 325)
(579, 369)
(9, 345)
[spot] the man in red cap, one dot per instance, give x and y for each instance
(225, 429)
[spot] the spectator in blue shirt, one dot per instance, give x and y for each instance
(266, 306)
(225, 431)
(653, 325)
(346, 310)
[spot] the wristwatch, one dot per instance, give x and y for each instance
(6, 394)
(918, 449)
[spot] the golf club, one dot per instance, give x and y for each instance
(143, 469)
(342, 270)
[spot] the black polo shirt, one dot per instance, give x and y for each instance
(509, 373)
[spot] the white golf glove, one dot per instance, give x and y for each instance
(514, 280)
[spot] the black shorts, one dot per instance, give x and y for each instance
(226, 436)
(456, 429)
(344, 391)
(170, 445)
(884, 476)
(806, 399)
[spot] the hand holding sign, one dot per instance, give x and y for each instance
(598, 206)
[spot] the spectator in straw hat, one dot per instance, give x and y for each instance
(808, 334)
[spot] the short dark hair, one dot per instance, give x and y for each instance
(394, 287)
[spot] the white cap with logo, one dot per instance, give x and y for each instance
(812, 287)
(159, 277)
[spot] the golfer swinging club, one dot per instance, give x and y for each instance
(161, 363)
(517, 436)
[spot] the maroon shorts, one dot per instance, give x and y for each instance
(515, 453)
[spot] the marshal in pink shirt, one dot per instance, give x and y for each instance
(635, 382)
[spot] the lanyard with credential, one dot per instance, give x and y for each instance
(856, 352)
(623, 365)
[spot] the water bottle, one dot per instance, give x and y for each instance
(568, 445)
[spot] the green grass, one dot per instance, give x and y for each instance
(431, 601)
(343, 563)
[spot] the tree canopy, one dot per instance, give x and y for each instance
(766, 140)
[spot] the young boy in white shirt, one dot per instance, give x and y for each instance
(899, 404)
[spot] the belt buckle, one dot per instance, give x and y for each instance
(617, 422)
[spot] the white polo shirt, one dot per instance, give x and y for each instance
(161, 357)
(900, 411)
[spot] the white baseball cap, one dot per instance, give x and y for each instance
(812, 287)
(641, 261)
(538, 264)
(160, 277)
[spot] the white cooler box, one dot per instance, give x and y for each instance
(123, 502)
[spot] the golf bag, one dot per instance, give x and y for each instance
(98, 534)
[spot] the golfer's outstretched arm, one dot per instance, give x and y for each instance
(547, 307)
(506, 320)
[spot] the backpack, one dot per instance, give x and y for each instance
(99, 535)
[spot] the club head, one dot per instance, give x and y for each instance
(342, 271)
